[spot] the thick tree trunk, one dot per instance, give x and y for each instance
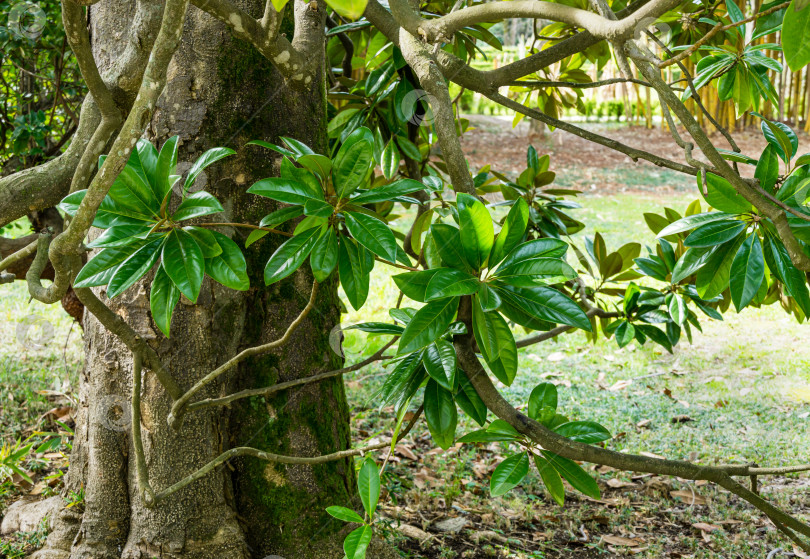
(219, 92)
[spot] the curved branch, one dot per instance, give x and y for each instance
(179, 406)
(268, 390)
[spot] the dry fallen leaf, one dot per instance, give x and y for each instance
(704, 527)
(413, 532)
(617, 483)
(619, 540)
(689, 497)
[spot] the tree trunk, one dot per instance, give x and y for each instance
(220, 91)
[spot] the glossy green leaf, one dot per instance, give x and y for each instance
(163, 298)
(574, 474)
(344, 514)
(101, 267)
(183, 261)
(290, 255)
(476, 230)
(722, 196)
(551, 479)
(354, 268)
(324, 256)
(538, 248)
(543, 403)
(120, 236)
(448, 282)
(284, 190)
(368, 485)
(350, 9)
(388, 191)
(134, 268)
(509, 473)
(428, 324)
(747, 272)
(229, 267)
(693, 221)
(205, 239)
(448, 243)
(625, 332)
(795, 31)
(715, 233)
(767, 170)
(439, 360)
(390, 160)
(488, 298)
(469, 400)
(713, 277)
(352, 162)
(372, 234)
(166, 167)
(356, 543)
(511, 233)
(196, 205)
(544, 304)
(588, 432)
(440, 413)
(496, 343)
(208, 158)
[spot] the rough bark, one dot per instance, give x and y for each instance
(220, 91)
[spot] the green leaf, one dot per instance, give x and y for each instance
(285, 190)
(229, 267)
(691, 261)
(440, 363)
(712, 279)
(440, 413)
(448, 282)
(388, 191)
(551, 479)
(795, 30)
(509, 473)
(539, 248)
(324, 255)
(350, 9)
(496, 343)
(134, 268)
(390, 160)
(692, 222)
(316, 163)
(747, 272)
(166, 167)
(715, 233)
(448, 243)
(767, 170)
(484, 436)
(344, 514)
(469, 400)
(354, 268)
(428, 324)
(205, 239)
(318, 208)
(677, 308)
(120, 236)
(290, 255)
(352, 162)
(588, 432)
(536, 271)
(780, 265)
(512, 232)
(625, 332)
(414, 284)
(147, 159)
(101, 267)
(368, 485)
(722, 196)
(183, 261)
(489, 298)
(130, 190)
(356, 543)
(197, 204)
(208, 158)
(255, 235)
(781, 137)
(543, 403)
(576, 476)
(163, 297)
(476, 230)
(545, 304)
(372, 234)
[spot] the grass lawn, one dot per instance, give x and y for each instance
(740, 393)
